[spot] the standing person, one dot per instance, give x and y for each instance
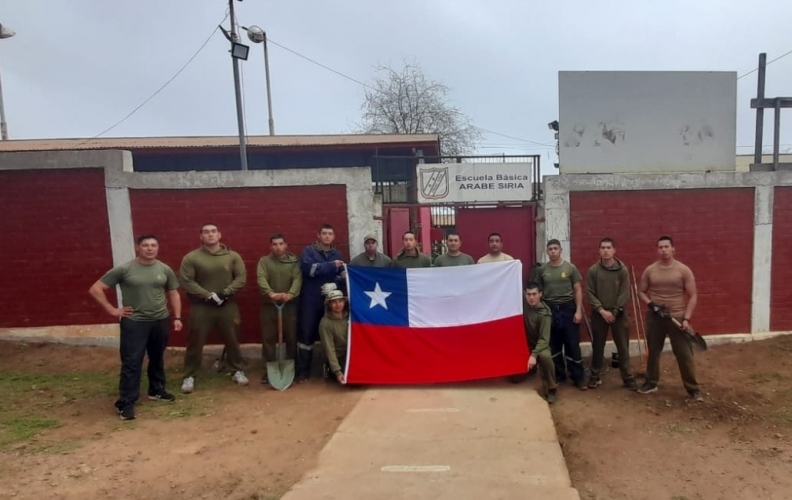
(663, 287)
(279, 280)
(454, 256)
(495, 241)
(333, 330)
(538, 321)
(371, 257)
(608, 291)
(212, 275)
(145, 282)
(410, 256)
(321, 263)
(560, 281)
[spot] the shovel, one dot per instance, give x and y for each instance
(280, 372)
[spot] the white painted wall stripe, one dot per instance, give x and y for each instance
(762, 259)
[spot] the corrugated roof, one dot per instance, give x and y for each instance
(211, 141)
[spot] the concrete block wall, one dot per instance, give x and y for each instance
(70, 216)
(732, 228)
(55, 241)
(247, 217)
(712, 231)
(781, 259)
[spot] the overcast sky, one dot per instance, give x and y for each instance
(76, 67)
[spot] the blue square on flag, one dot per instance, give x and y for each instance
(378, 296)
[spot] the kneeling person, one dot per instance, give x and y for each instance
(538, 320)
(333, 332)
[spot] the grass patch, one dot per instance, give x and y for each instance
(33, 403)
(680, 429)
(764, 377)
(782, 416)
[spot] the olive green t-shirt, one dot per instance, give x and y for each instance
(447, 260)
(558, 282)
(143, 288)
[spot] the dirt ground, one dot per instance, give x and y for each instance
(222, 441)
(60, 437)
(737, 444)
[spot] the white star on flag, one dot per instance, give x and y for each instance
(378, 297)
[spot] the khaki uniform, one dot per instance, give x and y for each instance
(665, 286)
(278, 275)
(333, 333)
(447, 260)
(379, 260)
(559, 295)
(608, 288)
(537, 330)
(406, 261)
(203, 272)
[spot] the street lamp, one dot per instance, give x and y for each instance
(238, 51)
(258, 35)
(5, 32)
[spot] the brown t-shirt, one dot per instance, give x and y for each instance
(665, 286)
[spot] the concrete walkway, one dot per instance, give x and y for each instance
(482, 440)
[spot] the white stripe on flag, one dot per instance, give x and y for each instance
(464, 295)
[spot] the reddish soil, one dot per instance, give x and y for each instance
(232, 442)
(252, 442)
(737, 444)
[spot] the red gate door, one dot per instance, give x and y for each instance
(516, 225)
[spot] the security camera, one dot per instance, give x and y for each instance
(553, 125)
(255, 34)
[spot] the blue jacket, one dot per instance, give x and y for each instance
(318, 267)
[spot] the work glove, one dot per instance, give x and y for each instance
(214, 298)
(655, 308)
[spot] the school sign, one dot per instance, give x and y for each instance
(473, 182)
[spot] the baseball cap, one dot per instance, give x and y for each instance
(370, 236)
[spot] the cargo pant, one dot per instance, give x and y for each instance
(204, 318)
(269, 329)
(312, 309)
(139, 338)
(656, 330)
(620, 331)
(544, 363)
(565, 343)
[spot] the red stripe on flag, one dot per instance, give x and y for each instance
(404, 355)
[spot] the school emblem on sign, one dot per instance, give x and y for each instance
(434, 183)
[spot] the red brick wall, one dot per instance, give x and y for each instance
(56, 243)
(713, 235)
(781, 291)
(246, 218)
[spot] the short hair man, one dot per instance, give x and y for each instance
(454, 256)
(538, 320)
(560, 281)
(664, 286)
(321, 263)
(212, 275)
(371, 256)
(495, 242)
(333, 330)
(279, 281)
(608, 292)
(145, 283)
(410, 256)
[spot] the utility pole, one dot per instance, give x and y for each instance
(269, 95)
(237, 90)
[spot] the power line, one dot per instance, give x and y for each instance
(342, 75)
(152, 96)
(768, 63)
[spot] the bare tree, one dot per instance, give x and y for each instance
(406, 102)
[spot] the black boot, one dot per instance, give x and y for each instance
(304, 357)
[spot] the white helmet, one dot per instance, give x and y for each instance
(328, 287)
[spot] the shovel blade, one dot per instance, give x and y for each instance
(280, 374)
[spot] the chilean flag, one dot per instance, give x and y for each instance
(429, 325)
